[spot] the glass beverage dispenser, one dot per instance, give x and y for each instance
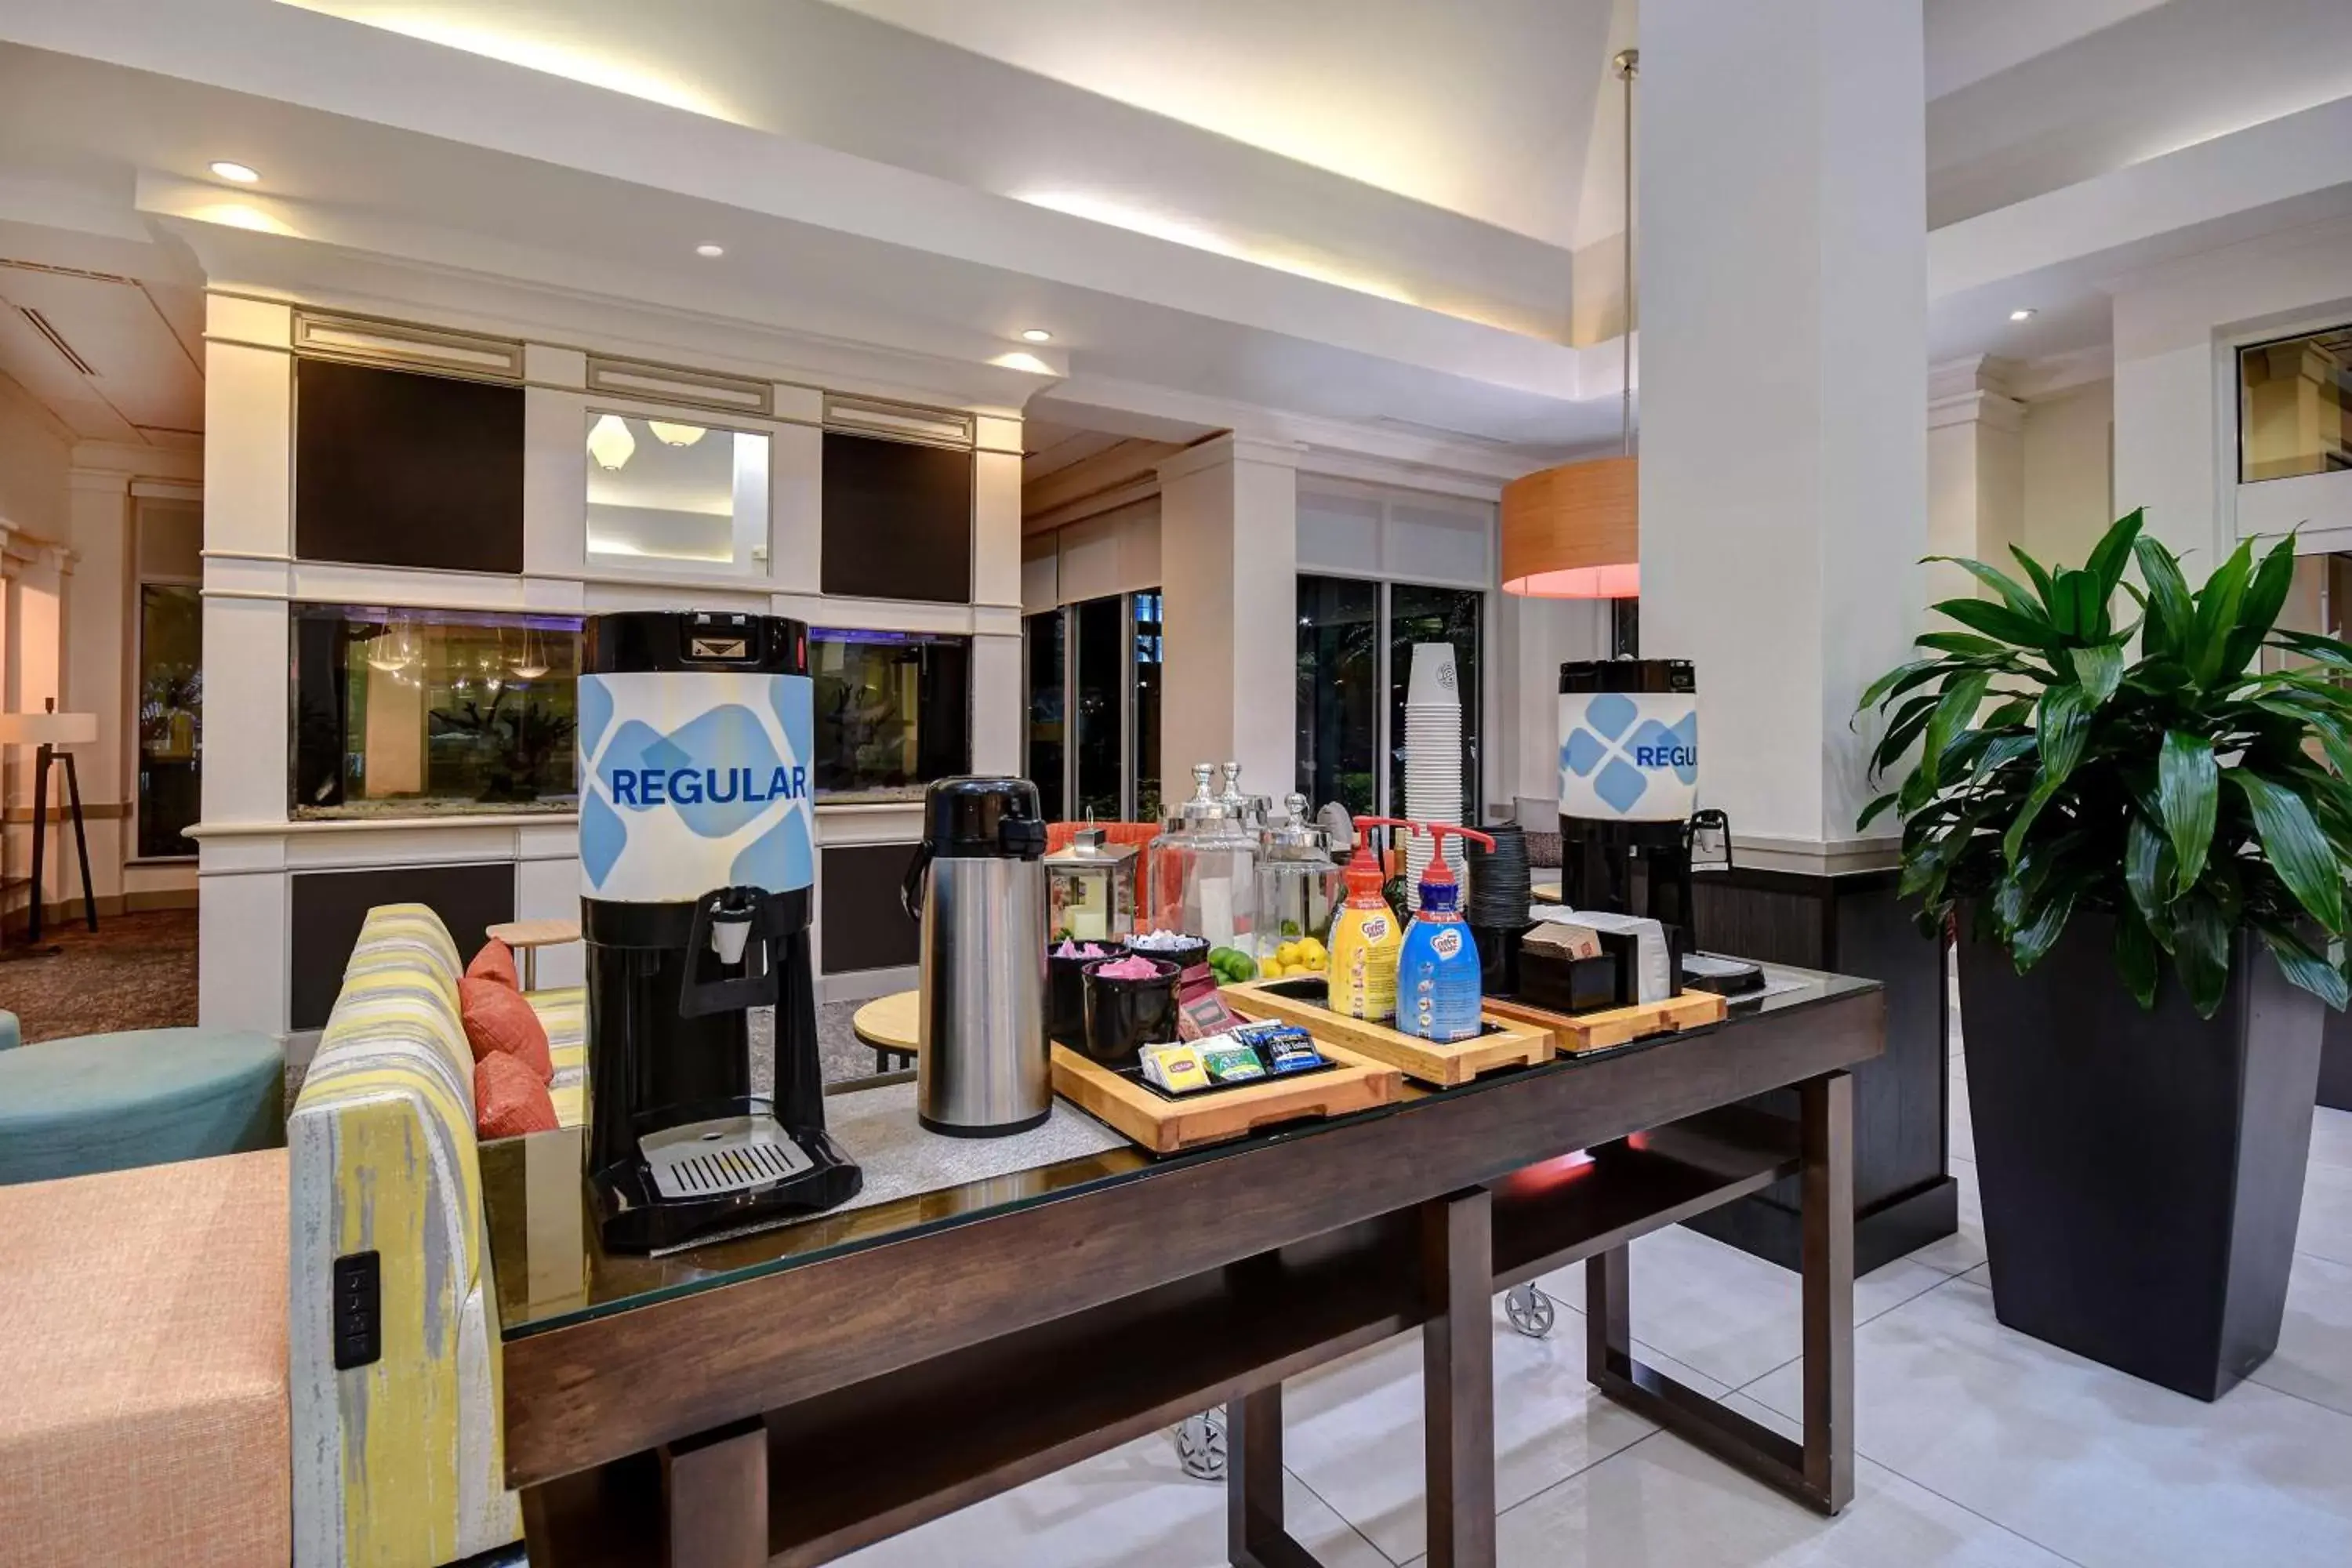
(1299, 883)
(1204, 871)
(1090, 888)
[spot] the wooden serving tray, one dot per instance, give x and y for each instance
(1576, 1032)
(1423, 1061)
(1163, 1126)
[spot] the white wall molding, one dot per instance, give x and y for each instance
(2053, 375)
(1414, 453)
(388, 273)
(1972, 391)
(1228, 449)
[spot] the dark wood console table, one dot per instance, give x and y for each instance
(722, 1407)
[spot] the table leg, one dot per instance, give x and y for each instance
(1255, 1534)
(715, 1498)
(40, 837)
(81, 843)
(1826, 1109)
(1457, 1372)
(530, 969)
(1819, 1472)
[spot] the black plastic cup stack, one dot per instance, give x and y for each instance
(1501, 889)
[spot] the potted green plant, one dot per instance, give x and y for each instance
(2146, 854)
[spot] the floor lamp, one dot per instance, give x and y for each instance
(50, 731)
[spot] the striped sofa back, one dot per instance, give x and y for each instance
(398, 1463)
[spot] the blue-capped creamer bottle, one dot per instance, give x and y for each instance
(1439, 991)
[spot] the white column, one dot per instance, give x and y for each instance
(243, 919)
(1782, 281)
(999, 695)
(1976, 474)
(1229, 574)
(2174, 453)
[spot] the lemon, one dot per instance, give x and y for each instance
(1313, 951)
(1287, 953)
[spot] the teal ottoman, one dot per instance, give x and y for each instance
(147, 1096)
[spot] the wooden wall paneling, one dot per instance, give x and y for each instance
(1904, 1194)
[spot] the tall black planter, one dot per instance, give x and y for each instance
(2142, 1173)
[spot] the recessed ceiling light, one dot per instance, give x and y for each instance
(2021, 315)
(1037, 335)
(710, 252)
(239, 174)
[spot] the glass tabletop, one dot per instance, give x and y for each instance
(552, 1270)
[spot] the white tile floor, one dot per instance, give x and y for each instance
(1978, 1447)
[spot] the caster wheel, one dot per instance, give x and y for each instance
(1530, 1312)
(1201, 1445)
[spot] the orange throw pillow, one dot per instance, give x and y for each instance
(509, 1100)
(495, 961)
(498, 1020)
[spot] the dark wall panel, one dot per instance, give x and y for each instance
(898, 519)
(861, 922)
(1851, 924)
(392, 469)
(330, 906)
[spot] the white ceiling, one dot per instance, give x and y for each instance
(1484, 109)
(2158, 78)
(1352, 210)
(107, 335)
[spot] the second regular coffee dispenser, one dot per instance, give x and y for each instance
(1628, 786)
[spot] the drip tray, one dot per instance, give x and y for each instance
(726, 1154)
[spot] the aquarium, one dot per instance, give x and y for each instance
(405, 712)
(893, 711)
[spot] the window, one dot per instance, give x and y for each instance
(401, 712)
(1338, 692)
(1144, 752)
(1418, 615)
(676, 494)
(171, 716)
(1098, 706)
(1094, 708)
(1041, 642)
(2295, 406)
(1355, 637)
(893, 711)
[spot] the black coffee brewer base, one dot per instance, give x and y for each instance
(634, 1214)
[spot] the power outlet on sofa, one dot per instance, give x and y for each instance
(359, 1310)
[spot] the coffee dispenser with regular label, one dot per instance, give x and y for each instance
(697, 851)
(1628, 786)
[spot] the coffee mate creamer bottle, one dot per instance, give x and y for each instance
(1365, 937)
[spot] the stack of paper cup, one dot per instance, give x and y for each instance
(1432, 758)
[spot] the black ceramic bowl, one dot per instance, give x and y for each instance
(1066, 990)
(1124, 1016)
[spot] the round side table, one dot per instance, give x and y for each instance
(892, 1025)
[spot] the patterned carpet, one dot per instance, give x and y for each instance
(135, 972)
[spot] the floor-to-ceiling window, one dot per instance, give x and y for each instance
(1094, 676)
(1355, 643)
(1145, 748)
(1339, 711)
(1099, 682)
(1421, 615)
(1041, 636)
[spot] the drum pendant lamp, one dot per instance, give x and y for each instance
(1574, 531)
